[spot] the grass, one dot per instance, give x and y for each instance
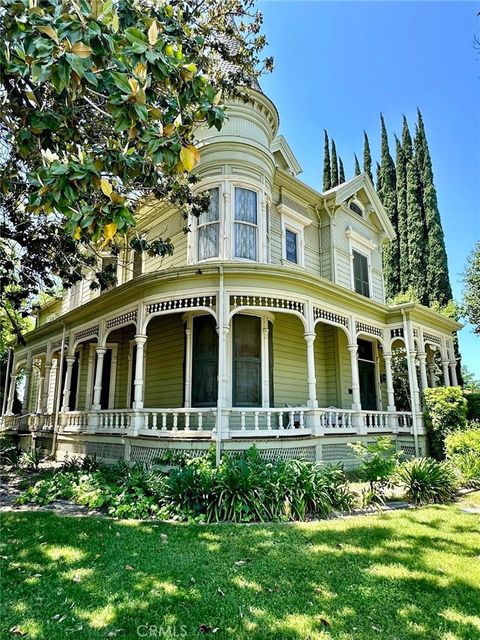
(404, 575)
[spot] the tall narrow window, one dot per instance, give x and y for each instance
(247, 361)
(204, 362)
(360, 274)
(245, 224)
(208, 227)
(291, 245)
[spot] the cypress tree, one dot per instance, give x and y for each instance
(407, 146)
(367, 157)
(357, 165)
(334, 165)
(341, 172)
(416, 234)
(379, 178)
(439, 287)
(401, 164)
(388, 195)
(327, 176)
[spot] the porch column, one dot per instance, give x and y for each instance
(188, 363)
(138, 382)
(387, 357)
(311, 379)
(97, 388)
(26, 393)
(46, 385)
(356, 400)
(446, 376)
(265, 364)
(11, 393)
(38, 405)
(422, 358)
(431, 374)
(453, 373)
(70, 360)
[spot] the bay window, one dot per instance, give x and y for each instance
(245, 224)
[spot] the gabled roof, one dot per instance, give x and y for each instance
(348, 189)
(281, 147)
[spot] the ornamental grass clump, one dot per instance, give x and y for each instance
(427, 480)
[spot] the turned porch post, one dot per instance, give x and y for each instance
(188, 363)
(26, 392)
(446, 376)
(138, 382)
(311, 379)
(97, 388)
(11, 393)
(46, 384)
(356, 399)
(453, 373)
(431, 374)
(70, 360)
(422, 358)
(387, 357)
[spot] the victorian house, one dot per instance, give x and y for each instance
(268, 325)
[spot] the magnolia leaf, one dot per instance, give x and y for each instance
(81, 50)
(50, 31)
(218, 97)
(141, 71)
(77, 233)
(115, 22)
(189, 156)
(153, 33)
(133, 83)
(106, 187)
(96, 8)
(109, 230)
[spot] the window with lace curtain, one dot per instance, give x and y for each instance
(245, 224)
(208, 228)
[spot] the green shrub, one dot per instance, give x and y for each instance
(379, 460)
(244, 488)
(31, 459)
(427, 480)
(473, 406)
(446, 411)
(463, 450)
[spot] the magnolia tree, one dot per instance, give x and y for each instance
(99, 106)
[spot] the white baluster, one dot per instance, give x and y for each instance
(242, 420)
(329, 418)
(292, 420)
(269, 420)
(175, 422)
(187, 421)
(256, 420)
(280, 420)
(164, 421)
(200, 420)
(301, 419)
(154, 421)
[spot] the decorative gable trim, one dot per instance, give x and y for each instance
(281, 146)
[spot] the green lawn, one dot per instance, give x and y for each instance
(411, 574)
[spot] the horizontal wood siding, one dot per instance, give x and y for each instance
(164, 362)
(290, 361)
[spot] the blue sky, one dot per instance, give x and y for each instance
(339, 64)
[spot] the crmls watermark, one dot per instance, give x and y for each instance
(166, 632)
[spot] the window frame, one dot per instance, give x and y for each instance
(362, 254)
(363, 246)
(296, 223)
(255, 226)
(218, 222)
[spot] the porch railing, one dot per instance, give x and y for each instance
(237, 422)
(177, 422)
(245, 422)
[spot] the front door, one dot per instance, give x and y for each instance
(368, 395)
(247, 361)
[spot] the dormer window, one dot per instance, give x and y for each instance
(208, 227)
(246, 224)
(356, 208)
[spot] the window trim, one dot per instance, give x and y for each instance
(258, 226)
(364, 246)
(354, 251)
(295, 222)
(206, 224)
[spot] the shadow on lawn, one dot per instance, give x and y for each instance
(404, 576)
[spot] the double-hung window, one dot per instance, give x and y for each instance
(208, 227)
(360, 274)
(246, 224)
(291, 245)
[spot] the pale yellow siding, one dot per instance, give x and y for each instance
(164, 362)
(289, 361)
